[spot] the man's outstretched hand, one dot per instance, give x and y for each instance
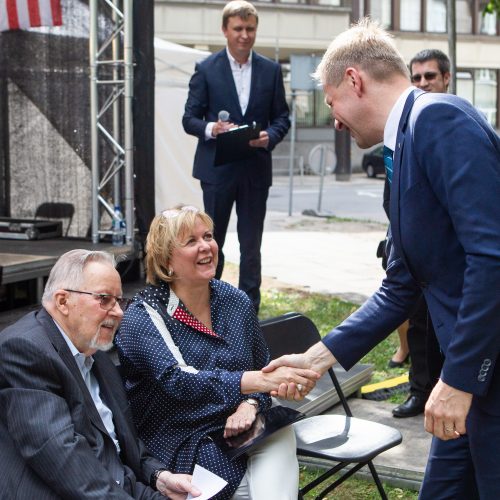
(317, 358)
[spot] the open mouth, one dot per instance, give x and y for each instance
(206, 260)
(108, 326)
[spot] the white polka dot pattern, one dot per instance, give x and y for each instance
(175, 409)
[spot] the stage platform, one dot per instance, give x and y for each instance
(22, 260)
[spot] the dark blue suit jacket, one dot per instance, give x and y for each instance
(445, 222)
(53, 442)
(211, 90)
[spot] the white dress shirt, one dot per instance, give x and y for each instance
(242, 76)
(392, 124)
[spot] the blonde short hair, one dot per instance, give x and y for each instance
(238, 8)
(365, 45)
(163, 237)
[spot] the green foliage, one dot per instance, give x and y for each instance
(493, 6)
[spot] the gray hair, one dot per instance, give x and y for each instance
(365, 45)
(68, 270)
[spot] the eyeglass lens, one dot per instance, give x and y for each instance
(108, 302)
(430, 75)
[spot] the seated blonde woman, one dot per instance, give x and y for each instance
(191, 349)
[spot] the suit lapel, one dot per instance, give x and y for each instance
(101, 371)
(253, 80)
(397, 174)
(62, 349)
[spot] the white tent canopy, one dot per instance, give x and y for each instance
(174, 149)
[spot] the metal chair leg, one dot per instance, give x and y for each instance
(377, 480)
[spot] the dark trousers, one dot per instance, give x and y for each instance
(465, 468)
(425, 354)
(251, 211)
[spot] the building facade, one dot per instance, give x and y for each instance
(289, 27)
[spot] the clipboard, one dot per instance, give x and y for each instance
(233, 145)
(265, 424)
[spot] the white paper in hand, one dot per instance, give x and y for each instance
(207, 482)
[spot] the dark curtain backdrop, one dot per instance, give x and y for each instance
(45, 116)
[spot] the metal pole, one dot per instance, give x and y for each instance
(322, 162)
(292, 153)
(93, 119)
(452, 44)
(129, 129)
(116, 112)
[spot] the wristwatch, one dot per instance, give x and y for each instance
(253, 402)
(154, 478)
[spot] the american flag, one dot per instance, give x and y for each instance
(23, 14)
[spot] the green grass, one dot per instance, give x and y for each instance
(353, 488)
(327, 312)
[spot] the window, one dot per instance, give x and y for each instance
(436, 16)
(410, 15)
(464, 10)
(480, 88)
(381, 11)
(486, 25)
(485, 93)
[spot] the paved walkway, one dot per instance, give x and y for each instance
(339, 258)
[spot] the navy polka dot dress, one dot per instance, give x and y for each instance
(183, 379)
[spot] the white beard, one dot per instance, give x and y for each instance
(99, 346)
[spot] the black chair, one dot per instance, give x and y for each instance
(337, 438)
(55, 211)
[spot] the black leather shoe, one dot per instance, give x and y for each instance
(398, 364)
(414, 405)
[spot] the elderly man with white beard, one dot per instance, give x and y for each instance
(65, 426)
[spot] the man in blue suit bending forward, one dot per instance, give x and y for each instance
(249, 87)
(445, 223)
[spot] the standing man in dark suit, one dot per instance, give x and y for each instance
(250, 88)
(445, 243)
(65, 429)
(430, 71)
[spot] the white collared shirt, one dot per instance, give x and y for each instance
(392, 124)
(242, 76)
(84, 364)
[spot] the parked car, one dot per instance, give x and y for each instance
(373, 162)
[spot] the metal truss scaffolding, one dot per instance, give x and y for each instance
(111, 94)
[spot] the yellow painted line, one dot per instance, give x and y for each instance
(385, 384)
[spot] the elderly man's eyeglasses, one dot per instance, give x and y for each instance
(106, 301)
(428, 75)
(174, 212)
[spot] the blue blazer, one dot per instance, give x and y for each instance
(53, 442)
(445, 223)
(211, 90)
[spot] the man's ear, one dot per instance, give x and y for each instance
(446, 80)
(61, 301)
(354, 80)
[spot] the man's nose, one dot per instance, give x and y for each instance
(116, 311)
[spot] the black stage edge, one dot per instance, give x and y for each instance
(25, 265)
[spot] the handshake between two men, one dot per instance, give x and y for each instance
(304, 370)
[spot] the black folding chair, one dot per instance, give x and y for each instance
(56, 210)
(342, 439)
